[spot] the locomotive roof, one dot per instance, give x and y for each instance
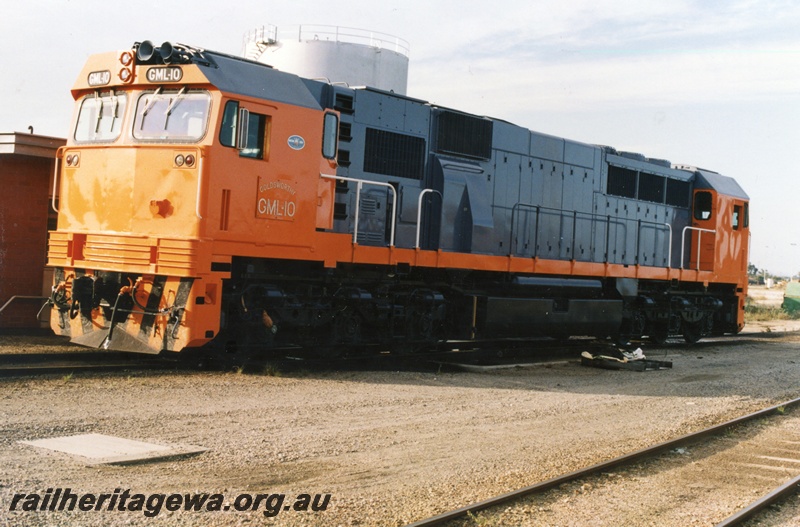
(722, 184)
(229, 73)
(253, 79)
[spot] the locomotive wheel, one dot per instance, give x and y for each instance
(347, 327)
(692, 332)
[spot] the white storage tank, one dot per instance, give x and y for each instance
(355, 57)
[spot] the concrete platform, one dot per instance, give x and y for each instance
(99, 449)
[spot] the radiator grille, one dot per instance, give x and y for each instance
(123, 253)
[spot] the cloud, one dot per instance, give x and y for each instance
(594, 55)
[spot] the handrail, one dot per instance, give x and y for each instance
(419, 211)
(199, 184)
(21, 297)
(669, 249)
(588, 215)
(26, 297)
(270, 34)
(699, 237)
(55, 180)
(360, 183)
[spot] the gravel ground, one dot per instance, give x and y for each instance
(389, 447)
(699, 483)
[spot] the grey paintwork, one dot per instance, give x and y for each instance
(536, 196)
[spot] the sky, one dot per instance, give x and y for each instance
(713, 85)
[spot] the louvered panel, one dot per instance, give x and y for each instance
(58, 248)
(119, 252)
(124, 253)
(177, 257)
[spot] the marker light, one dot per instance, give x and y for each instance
(126, 58)
(126, 72)
(179, 160)
(189, 160)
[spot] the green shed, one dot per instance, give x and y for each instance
(791, 297)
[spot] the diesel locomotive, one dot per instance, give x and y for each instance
(208, 201)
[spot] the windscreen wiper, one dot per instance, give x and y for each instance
(172, 104)
(149, 106)
(99, 101)
(115, 114)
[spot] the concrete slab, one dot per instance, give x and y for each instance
(100, 449)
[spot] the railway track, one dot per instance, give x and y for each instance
(544, 352)
(779, 494)
(66, 363)
(54, 362)
(770, 458)
(487, 355)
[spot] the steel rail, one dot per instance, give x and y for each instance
(598, 467)
(777, 495)
(23, 365)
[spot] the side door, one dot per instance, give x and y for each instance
(735, 255)
(703, 234)
(236, 168)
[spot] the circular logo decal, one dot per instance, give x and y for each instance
(296, 142)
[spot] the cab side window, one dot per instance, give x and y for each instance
(227, 131)
(330, 132)
(257, 127)
(253, 139)
(702, 205)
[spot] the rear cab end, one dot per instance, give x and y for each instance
(720, 243)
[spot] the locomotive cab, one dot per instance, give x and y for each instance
(720, 229)
(720, 236)
(170, 165)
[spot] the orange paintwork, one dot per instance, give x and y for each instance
(273, 199)
(725, 251)
(113, 188)
(732, 247)
(110, 62)
(127, 207)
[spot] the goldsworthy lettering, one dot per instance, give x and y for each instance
(269, 205)
(276, 185)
